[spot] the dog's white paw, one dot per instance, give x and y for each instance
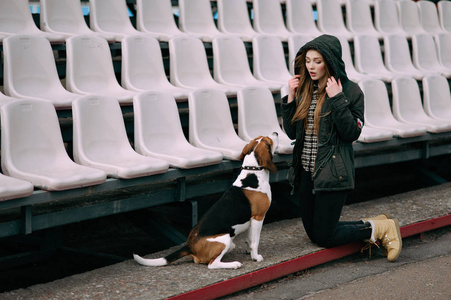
(257, 258)
(236, 265)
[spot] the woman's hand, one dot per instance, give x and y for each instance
(333, 87)
(293, 84)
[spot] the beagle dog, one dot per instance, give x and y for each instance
(242, 207)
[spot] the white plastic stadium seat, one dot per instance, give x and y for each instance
(65, 17)
(111, 17)
(196, 17)
(143, 69)
(429, 17)
(407, 106)
(437, 97)
(159, 134)
(16, 18)
(284, 90)
(211, 125)
(300, 18)
(33, 148)
(368, 58)
(11, 188)
(444, 15)
(409, 18)
(378, 113)
(30, 71)
(89, 69)
(268, 19)
(233, 18)
(330, 19)
(386, 18)
(156, 17)
(398, 58)
(443, 43)
(269, 60)
(257, 116)
(231, 64)
(373, 135)
(295, 42)
(5, 99)
(358, 18)
(351, 72)
(101, 142)
(425, 56)
(189, 66)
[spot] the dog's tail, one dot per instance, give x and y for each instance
(163, 261)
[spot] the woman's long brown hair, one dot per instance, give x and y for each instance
(304, 92)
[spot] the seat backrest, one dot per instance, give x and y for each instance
(15, 17)
(210, 118)
(110, 16)
(358, 17)
(188, 60)
(157, 122)
(436, 95)
(269, 58)
(31, 136)
(330, 16)
(367, 55)
(300, 17)
(155, 16)
(196, 16)
(429, 17)
(409, 17)
(230, 59)
(444, 14)
(295, 42)
(386, 18)
(256, 113)
(99, 128)
(62, 16)
(89, 64)
(443, 43)
(29, 66)
(233, 16)
(424, 52)
(346, 54)
(406, 98)
(142, 63)
(377, 103)
(268, 17)
(397, 53)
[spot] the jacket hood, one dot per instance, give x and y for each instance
(330, 48)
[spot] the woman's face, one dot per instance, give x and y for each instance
(315, 64)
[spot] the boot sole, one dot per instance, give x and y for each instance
(398, 229)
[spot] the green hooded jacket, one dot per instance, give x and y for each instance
(334, 165)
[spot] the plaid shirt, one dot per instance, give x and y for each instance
(310, 148)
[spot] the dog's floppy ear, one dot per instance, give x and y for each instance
(249, 148)
(263, 153)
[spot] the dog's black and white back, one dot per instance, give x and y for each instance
(242, 207)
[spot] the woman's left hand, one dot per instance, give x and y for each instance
(333, 87)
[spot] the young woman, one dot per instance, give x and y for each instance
(323, 112)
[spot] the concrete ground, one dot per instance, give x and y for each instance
(423, 271)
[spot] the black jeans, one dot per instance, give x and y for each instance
(321, 212)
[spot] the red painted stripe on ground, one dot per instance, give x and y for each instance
(249, 280)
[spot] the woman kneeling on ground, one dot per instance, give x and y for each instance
(323, 112)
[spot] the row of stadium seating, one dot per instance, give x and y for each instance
(61, 19)
(89, 68)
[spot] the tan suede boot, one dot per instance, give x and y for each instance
(383, 216)
(388, 232)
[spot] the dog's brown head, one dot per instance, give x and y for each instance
(263, 148)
